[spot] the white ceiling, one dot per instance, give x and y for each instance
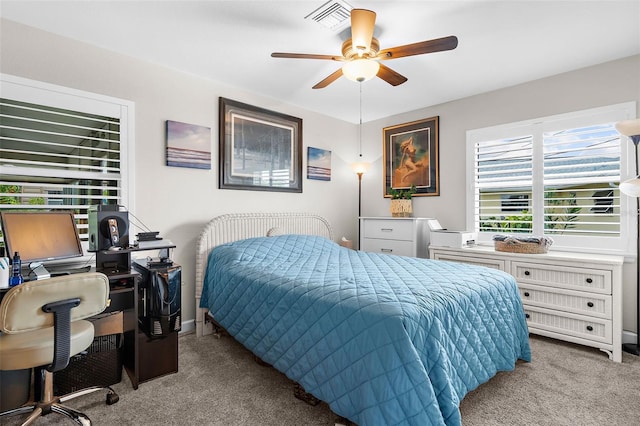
(501, 43)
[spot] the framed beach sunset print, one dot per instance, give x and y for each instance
(318, 164)
(188, 145)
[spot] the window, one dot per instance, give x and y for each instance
(62, 149)
(556, 176)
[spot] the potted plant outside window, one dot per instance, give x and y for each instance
(401, 204)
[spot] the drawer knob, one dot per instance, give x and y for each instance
(527, 316)
(590, 304)
(384, 250)
(526, 294)
(527, 273)
(589, 280)
(590, 328)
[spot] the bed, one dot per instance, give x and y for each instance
(382, 339)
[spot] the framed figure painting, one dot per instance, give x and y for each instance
(260, 150)
(410, 157)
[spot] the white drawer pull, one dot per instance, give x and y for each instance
(386, 229)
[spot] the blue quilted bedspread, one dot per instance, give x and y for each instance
(384, 340)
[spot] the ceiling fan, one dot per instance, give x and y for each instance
(361, 53)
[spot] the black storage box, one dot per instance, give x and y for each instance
(101, 365)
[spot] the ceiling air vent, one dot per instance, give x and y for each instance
(333, 14)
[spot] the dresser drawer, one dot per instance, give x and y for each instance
(489, 263)
(389, 229)
(591, 304)
(596, 329)
(584, 279)
(400, 248)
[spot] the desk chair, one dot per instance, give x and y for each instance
(42, 324)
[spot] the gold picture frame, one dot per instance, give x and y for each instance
(410, 157)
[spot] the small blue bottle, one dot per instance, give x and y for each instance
(16, 268)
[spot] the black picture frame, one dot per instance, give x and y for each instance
(259, 149)
(410, 157)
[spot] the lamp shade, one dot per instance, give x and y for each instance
(360, 167)
(631, 187)
(629, 127)
(360, 69)
(362, 26)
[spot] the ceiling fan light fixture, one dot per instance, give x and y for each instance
(360, 69)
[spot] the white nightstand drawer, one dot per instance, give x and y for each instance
(584, 279)
(569, 324)
(591, 304)
(400, 248)
(389, 229)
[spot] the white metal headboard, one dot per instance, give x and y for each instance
(233, 227)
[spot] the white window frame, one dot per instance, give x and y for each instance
(536, 127)
(41, 93)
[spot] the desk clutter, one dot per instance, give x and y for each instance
(139, 328)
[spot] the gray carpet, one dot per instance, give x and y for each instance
(219, 383)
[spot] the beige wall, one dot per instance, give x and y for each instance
(606, 84)
(178, 202)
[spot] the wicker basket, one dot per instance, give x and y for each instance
(401, 208)
(514, 246)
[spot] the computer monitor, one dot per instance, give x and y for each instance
(40, 236)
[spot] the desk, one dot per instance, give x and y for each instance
(137, 348)
(143, 358)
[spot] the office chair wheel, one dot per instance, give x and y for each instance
(112, 398)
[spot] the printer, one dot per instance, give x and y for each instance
(440, 237)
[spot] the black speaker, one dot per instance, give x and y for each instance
(108, 227)
(159, 298)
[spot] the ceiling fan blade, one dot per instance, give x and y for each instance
(390, 76)
(363, 22)
(330, 79)
(419, 48)
(306, 56)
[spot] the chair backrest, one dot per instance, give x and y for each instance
(21, 308)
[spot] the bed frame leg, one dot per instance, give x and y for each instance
(341, 421)
(302, 395)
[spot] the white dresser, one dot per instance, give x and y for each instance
(575, 297)
(402, 236)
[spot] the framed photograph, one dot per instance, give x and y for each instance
(188, 145)
(260, 150)
(318, 164)
(410, 157)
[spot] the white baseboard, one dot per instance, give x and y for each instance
(188, 327)
(629, 337)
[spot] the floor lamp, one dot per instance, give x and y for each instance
(631, 187)
(360, 169)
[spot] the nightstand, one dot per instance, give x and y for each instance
(402, 236)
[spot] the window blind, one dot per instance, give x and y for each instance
(556, 176)
(580, 165)
(57, 158)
